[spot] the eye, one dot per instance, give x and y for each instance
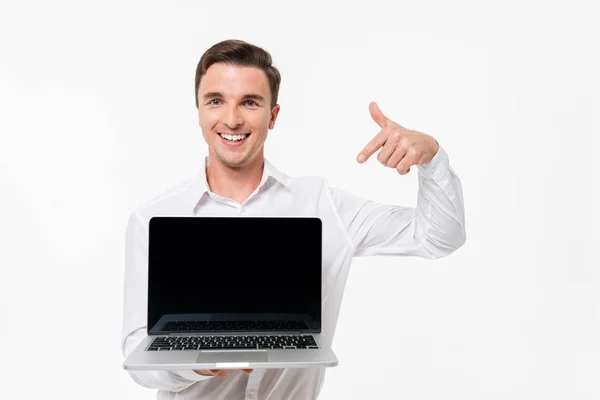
(254, 104)
(211, 102)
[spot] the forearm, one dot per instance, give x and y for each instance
(173, 381)
(439, 217)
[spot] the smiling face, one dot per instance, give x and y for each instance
(234, 113)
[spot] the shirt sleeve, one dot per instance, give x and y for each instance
(433, 229)
(135, 310)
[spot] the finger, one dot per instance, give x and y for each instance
(206, 372)
(377, 115)
(388, 149)
(396, 157)
(374, 145)
(224, 372)
(404, 165)
(247, 370)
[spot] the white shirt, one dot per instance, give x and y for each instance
(351, 227)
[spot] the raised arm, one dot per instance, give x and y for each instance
(435, 227)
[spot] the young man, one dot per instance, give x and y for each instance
(236, 96)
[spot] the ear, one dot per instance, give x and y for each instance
(274, 114)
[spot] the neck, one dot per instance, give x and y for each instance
(236, 183)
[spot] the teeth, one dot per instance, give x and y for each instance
(233, 137)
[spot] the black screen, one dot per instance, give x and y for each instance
(227, 273)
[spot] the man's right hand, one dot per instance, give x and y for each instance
(219, 372)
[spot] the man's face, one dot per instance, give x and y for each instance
(234, 112)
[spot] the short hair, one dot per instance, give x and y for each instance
(238, 52)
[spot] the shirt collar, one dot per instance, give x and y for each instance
(200, 186)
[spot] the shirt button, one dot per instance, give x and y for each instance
(252, 394)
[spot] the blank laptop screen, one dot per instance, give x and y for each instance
(234, 273)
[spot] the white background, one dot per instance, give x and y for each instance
(97, 116)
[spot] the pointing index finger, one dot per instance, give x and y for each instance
(374, 145)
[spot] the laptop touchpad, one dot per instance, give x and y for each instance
(232, 356)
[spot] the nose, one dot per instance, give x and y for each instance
(232, 118)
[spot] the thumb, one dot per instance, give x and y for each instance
(377, 115)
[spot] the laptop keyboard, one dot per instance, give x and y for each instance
(174, 343)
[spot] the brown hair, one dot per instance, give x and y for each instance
(238, 52)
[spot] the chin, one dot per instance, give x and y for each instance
(232, 161)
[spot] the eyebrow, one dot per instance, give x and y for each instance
(210, 95)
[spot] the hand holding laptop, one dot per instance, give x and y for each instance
(219, 372)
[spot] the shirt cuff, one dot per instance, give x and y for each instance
(191, 375)
(438, 163)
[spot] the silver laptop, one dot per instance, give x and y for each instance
(233, 293)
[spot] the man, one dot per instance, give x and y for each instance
(236, 90)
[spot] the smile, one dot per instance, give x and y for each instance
(234, 138)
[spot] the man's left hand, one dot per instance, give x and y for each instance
(401, 148)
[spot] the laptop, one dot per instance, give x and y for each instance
(233, 293)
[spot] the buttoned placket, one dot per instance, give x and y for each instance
(256, 375)
(241, 207)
